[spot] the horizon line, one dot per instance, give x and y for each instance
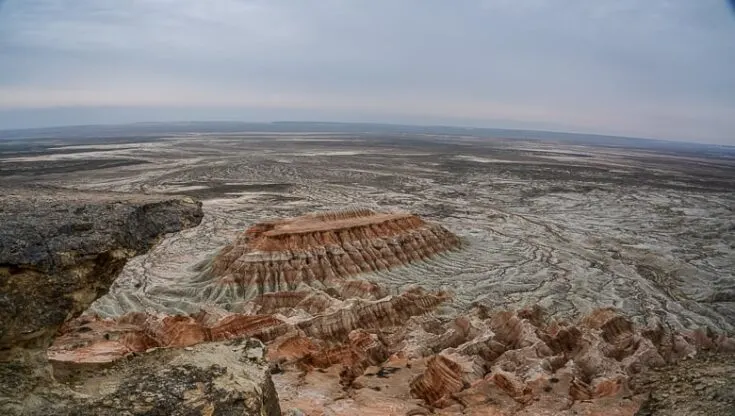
(368, 123)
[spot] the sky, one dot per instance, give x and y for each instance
(655, 68)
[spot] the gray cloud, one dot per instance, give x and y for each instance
(659, 68)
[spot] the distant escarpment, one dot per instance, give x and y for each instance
(323, 250)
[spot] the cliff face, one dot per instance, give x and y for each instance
(59, 251)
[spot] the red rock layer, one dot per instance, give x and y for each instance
(90, 339)
(542, 364)
(442, 378)
(360, 350)
(93, 340)
(327, 248)
(507, 363)
(362, 314)
(387, 352)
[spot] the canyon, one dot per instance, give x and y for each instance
(420, 275)
(298, 283)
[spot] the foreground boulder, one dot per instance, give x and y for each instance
(702, 386)
(229, 378)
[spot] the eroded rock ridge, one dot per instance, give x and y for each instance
(324, 249)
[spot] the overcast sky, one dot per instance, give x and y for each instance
(647, 68)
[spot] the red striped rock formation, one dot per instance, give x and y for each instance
(360, 350)
(295, 277)
(536, 366)
(93, 340)
(360, 314)
(508, 363)
(442, 378)
(325, 249)
(340, 342)
(382, 354)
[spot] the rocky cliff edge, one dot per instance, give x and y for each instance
(59, 251)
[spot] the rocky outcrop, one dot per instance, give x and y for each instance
(61, 250)
(321, 250)
(231, 378)
(700, 386)
(504, 363)
(299, 297)
(441, 379)
(339, 344)
(90, 339)
(523, 358)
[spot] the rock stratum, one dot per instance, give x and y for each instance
(294, 276)
(322, 250)
(230, 378)
(59, 251)
(90, 339)
(340, 344)
(481, 363)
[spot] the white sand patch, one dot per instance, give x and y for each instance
(489, 160)
(332, 153)
(100, 146)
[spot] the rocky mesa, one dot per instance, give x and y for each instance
(322, 250)
(296, 276)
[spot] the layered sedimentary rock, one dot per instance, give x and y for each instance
(338, 344)
(547, 364)
(504, 363)
(300, 294)
(321, 250)
(90, 339)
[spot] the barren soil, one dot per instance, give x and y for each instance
(566, 226)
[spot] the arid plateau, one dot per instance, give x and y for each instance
(367, 270)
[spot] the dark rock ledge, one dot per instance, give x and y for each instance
(59, 251)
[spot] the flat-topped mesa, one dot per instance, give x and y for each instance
(326, 248)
